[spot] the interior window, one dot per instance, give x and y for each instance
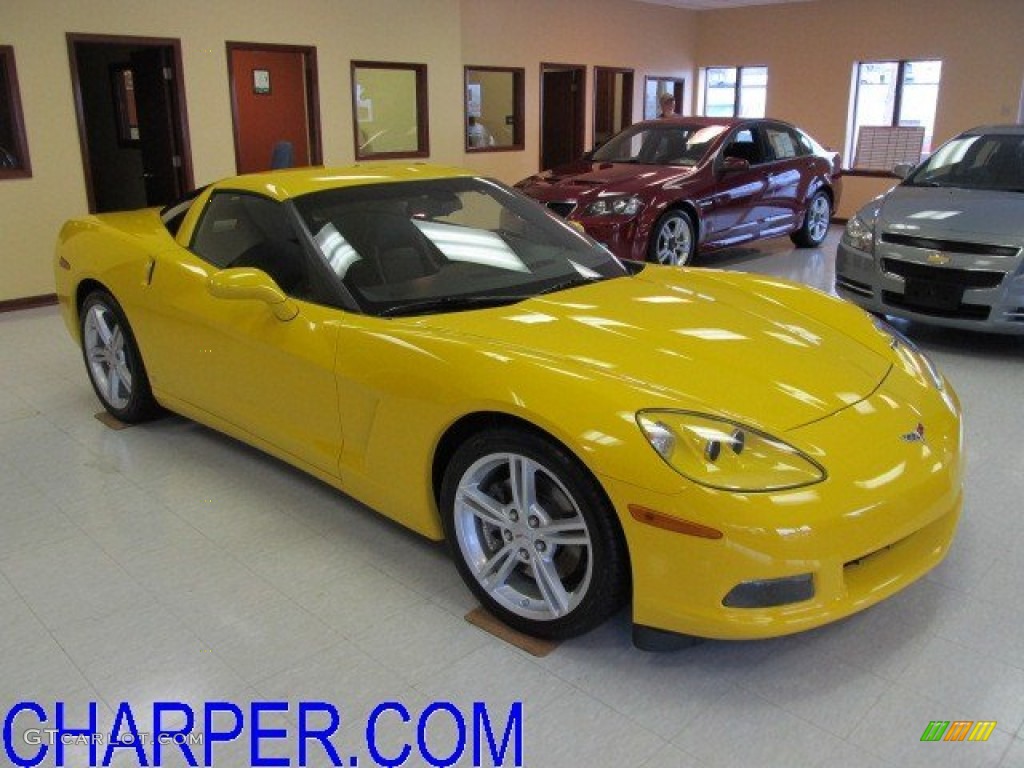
(14, 162)
(389, 105)
(245, 230)
(494, 108)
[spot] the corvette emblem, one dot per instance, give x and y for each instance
(939, 258)
(917, 436)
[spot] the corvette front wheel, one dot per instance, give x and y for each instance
(113, 361)
(533, 535)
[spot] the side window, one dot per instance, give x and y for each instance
(245, 230)
(782, 142)
(744, 145)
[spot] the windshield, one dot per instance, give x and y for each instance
(448, 244)
(991, 161)
(660, 144)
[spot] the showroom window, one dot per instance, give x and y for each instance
(893, 112)
(654, 87)
(495, 98)
(14, 162)
(389, 107)
(735, 91)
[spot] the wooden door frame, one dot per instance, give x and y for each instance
(308, 52)
(180, 111)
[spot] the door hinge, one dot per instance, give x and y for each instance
(168, 74)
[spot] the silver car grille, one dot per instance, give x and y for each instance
(950, 246)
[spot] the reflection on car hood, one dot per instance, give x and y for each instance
(695, 340)
(627, 176)
(977, 215)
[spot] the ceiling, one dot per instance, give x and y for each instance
(711, 5)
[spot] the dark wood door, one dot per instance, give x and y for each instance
(562, 117)
(161, 161)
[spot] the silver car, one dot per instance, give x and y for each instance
(945, 245)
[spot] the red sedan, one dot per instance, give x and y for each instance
(663, 189)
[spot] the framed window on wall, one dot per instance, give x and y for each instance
(735, 91)
(655, 87)
(14, 160)
(893, 115)
(389, 109)
(495, 98)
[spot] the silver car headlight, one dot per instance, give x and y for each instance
(859, 235)
(723, 454)
(622, 205)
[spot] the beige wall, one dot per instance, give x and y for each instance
(32, 210)
(809, 49)
(650, 39)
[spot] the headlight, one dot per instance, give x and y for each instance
(723, 454)
(859, 236)
(623, 206)
(916, 362)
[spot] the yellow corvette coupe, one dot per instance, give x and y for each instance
(738, 456)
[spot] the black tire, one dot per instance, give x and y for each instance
(814, 230)
(492, 537)
(113, 361)
(673, 239)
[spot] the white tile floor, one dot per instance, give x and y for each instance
(166, 562)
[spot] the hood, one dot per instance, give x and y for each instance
(584, 175)
(976, 215)
(695, 340)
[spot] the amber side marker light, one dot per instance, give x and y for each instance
(674, 524)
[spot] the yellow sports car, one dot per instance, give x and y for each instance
(738, 456)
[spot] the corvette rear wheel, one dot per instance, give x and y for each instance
(533, 535)
(113, 361)
(672, 240)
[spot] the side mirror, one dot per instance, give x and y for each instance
(734, 164)
(246, 283)
(902, 169)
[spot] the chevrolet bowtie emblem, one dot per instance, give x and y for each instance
(917, 436)
(939, 258)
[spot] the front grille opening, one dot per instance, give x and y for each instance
(962, 312)
(965, 278)
(952, 246)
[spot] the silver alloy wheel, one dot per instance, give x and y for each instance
(523, 536)
(817, 218)
(674, 241)
(106, 353)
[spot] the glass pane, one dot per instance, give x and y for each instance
(720, 92)
(920, 97)
(654, 88)
(876, 93)
(13, 148)
(753, 91)
(386, 104)
(491, 114)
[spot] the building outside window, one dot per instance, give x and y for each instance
(896, 101)
(735, 91)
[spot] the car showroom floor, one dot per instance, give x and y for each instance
(168, 563)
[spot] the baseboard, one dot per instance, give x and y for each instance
(29, 302)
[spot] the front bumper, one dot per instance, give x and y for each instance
(991, 300)
(883, 518)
